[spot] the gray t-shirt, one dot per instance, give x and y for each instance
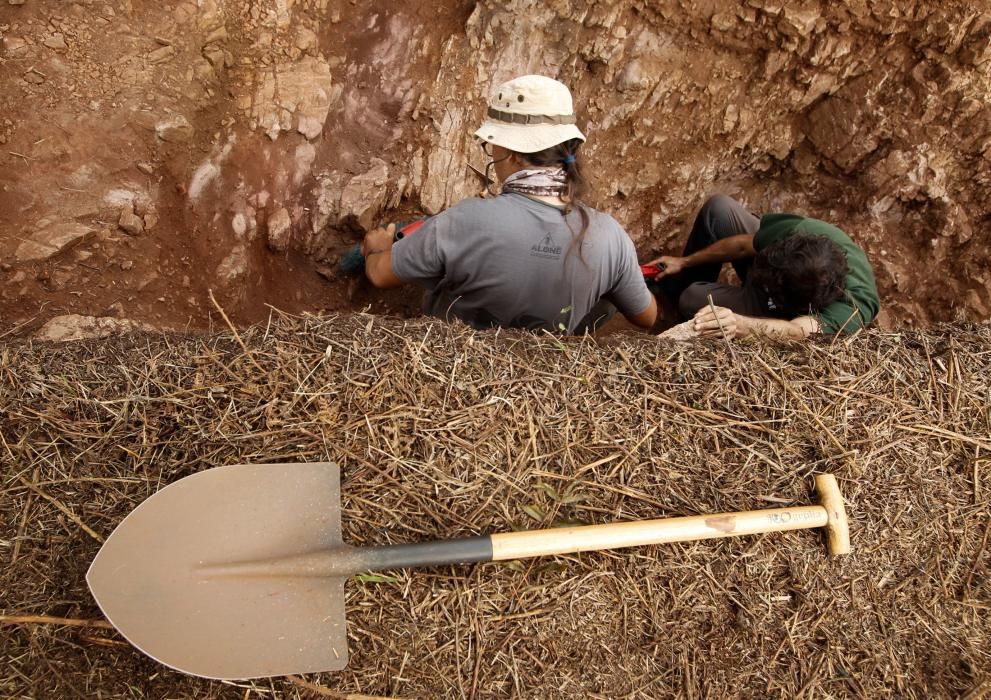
(510, 262)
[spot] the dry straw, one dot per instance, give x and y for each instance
(444, 432)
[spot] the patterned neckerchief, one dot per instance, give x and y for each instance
(540, 183)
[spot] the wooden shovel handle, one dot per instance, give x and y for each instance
(837, 527)
(567, 540)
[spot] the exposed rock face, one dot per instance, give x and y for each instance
(291, 95)
(74, 327)
(872, 115)
(364, 195)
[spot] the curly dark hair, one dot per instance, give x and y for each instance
(802, 274)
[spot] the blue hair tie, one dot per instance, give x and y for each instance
(569, 159)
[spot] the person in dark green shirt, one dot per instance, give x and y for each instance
(800, 275)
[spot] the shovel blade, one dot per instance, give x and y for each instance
(148, 578)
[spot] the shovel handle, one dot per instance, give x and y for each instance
(587, 538)
(568, 540)
(830, 514)
(345, 560)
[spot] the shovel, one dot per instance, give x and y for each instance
(238, 572)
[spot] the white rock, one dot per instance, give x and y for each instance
(204, 175)
(161, 54)
(723, 21)
(306, 39)
(240, 225)
(234, 267)
(131, 223)
(75, 327)
(175, 130)
(306, 154)
(631, 78)
(364, 195)
(217, 35)
(681, 333)
(293, 95)
(310, 127)
(799, 18)
(56, 42)
(279, 230)
(51, 241)
(261, 199)
(14, 44)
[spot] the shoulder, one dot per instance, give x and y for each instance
(776, 227)
(475, 207)
(463, 209)
(460, 217)
(822, 228)
(603, 223)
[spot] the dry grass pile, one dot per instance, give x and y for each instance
(442, 432)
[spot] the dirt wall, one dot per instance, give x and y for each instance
(153, 151)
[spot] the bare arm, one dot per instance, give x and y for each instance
(378, 269)
(646, 318)
(716, 321)
(377, 249)
(724, 250)
(798, 328)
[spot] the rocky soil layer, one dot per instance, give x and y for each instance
(150, 152)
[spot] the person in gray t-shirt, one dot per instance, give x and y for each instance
(533, 257)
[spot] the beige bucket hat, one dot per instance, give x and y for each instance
(529, 114)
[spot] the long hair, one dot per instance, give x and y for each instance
(802, 274)
(565, 156)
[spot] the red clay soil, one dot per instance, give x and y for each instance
(876, 128)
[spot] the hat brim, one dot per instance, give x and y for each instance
(527, 138)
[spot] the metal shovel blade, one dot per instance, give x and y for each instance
(149, 577)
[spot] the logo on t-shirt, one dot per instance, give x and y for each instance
(547, 248)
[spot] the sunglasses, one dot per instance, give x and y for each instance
(486, 148)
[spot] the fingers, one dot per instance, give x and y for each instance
(660, 266)
(376, 238)
(706, 312)
(715, 321)
(671, 265)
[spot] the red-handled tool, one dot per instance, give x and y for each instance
(353, 261)
(404, 230)
(651, 272)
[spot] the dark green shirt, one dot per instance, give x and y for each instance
(860, 302)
